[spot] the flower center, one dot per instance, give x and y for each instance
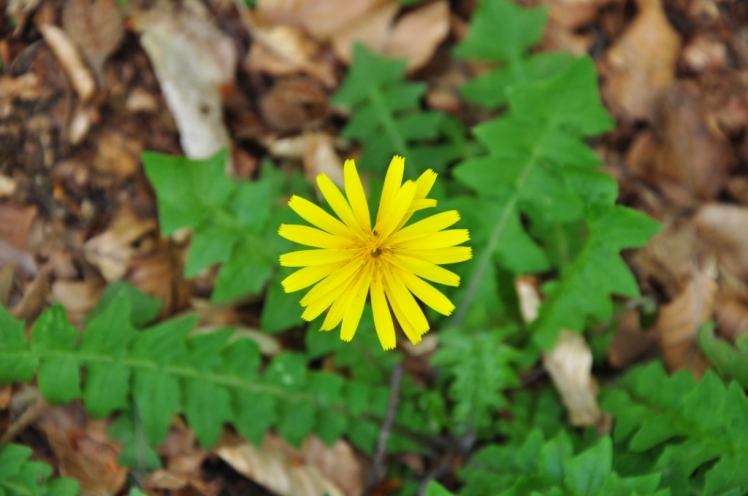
(373, 244)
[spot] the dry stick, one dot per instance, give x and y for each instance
(384, 433)
(25, 419)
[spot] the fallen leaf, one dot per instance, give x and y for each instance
(96, 28)
(679, 321)
(7, 276)
(417, 34)
(704, 53)
(117, 154)
(293, 104)
(310, 471)
(630, 343)
(16, 222)
(158, 271)
(24, 88)
(70, 60)
(694, 154)
(667, 260)
(722, 228)
(570, 367)
(322, 18)
(192, 60)
(112, 250)
(83, 450)
(34, 299)
(19, 10)
(78, 298)
(731, 312)
(641, 63)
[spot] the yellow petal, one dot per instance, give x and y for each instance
(421, 204)
(424, 183)
(310, 236)
(392, 182)
(406, 308)
(424, 269)
(429, 225)
(441, 256)
(382, 317)
(307, 276)
(442, 239)
(392, 217)
(337, 202)
(426, 293)
(341, 304)
(356, 306)
(332, 281)
(315, 215)
(304, 258)
(354, 190)
(321, 304)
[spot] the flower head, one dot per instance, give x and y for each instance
(389, 261)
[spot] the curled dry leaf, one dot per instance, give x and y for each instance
(723, 229)
(19, 10)
(112, 250)
(192, 60)
(570, 367)
(283, 50)
(310, 471)
(641, 63)
(70, 59)
(414, 36)
(96, 28)
(679, 321)
(158, 271)
(83, 450)
(34, 298)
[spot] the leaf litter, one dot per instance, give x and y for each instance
(87, 86)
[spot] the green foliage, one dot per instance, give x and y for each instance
(696, 432)
(481, 365)
(233, 223)
(436, 489)
(21, 477)
(386, 118)
(210, 378)
(551, 468)
(729, 360)
(502, 32)
(539, 170)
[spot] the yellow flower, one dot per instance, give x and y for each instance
(388, 261)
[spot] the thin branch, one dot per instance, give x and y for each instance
(377, 471)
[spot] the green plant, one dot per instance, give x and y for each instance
(21, 477)
(386, 117)
(502, 32)
(695, 432)
(210, 377)
(729, 360)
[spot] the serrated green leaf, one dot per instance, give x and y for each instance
(143, 308)
(19, 366)
(157, 396)
(212, 242)
(436, 489)
(207, 407)
(246, 271)
(281, 309)
(586, 473)
(59, 374)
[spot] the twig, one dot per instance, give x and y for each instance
(29, 415)
(377, 470)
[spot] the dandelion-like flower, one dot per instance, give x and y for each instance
(388, 261)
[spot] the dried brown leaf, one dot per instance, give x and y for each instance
(83, 450)
(310, 471)
(641, 63)
(96, 28)
(293, 103)
(70, 60)
(570, 367)
(679, 321)
(316, 150)
(722, 228)
(417, 34)
(731, 312)
(630, 342)
(77, 297)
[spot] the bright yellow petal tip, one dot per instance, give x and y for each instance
(351, 262)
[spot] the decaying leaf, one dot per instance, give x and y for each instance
(77, 297)
(723, 229)
(83, 450)
(641, 63)
(96, 28)
(192, 60)
(112, 250)
(293, 104)
(679, 321)
(731, 312)
(630, 341)
(310, 471)
(570, 367)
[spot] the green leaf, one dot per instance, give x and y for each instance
(18, 366)
(247, 270)
(729, 360)
(187, 191)
(386, 116)
(143, 308)
(480, 364)
(281, 310)
(212, 242)
(21, 477)
(586, 473)
(59, 374)
(436, 489)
